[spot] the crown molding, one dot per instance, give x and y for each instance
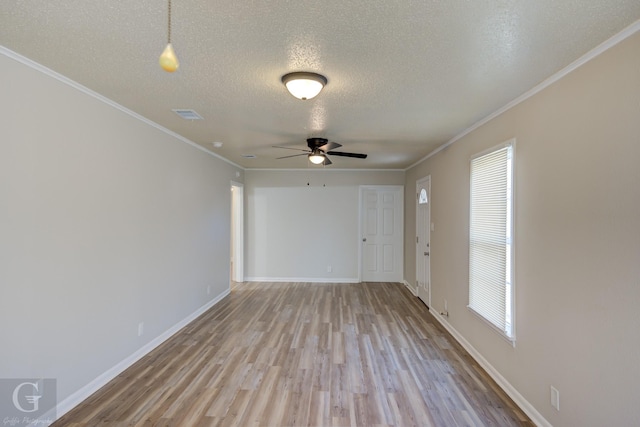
(601, 48)
(57, 76)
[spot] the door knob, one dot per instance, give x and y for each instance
(364, 239)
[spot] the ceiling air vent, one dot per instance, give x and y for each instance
(188, 114)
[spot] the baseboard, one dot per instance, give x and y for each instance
(408, 285)
(519, 400)
(76, 398)
(303, 279)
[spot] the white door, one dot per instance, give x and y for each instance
(381, 233)
(423, 239)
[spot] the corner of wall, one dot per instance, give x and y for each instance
(413, 289)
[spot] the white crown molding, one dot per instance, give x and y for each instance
(601, 48)
(49, 72)
(323, 170)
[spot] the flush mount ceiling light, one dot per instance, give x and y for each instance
(168, 59)
(304, 85)
(317, 157)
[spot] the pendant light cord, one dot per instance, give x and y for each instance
(169, 24)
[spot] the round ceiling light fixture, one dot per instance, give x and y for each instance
(304, 85)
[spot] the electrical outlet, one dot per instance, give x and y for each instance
(329, 269)
(208, 289)
(555, 398)
(445, 312)
(140, 328)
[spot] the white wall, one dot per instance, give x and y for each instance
(105, 222)
(294, 230)
(577, 219)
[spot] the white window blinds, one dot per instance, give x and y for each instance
(490, 238)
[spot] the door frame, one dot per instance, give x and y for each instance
(420, 183)
(237, 232)
(361, 190)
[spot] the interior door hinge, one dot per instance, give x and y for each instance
(417, 239)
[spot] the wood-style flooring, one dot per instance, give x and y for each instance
(302, 354)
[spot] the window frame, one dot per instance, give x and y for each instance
(510, 291)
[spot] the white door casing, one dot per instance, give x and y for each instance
(237, 232)
(381, 233)
(423, 239)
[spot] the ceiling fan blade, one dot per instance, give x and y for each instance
(293, 155)
(291, 148)
(327, 161)
(330, 146)
(343, 154)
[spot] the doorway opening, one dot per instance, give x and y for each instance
(237, 232)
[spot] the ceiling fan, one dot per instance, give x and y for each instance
(318, 150)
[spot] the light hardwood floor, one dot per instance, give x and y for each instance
(300, 354)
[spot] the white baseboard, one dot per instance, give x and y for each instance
(303, 279)
(523, 403)
(413, 290)
(76, 398)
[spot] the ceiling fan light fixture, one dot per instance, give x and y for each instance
(317, 158)
(304, 85)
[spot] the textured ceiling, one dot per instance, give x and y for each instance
(404, 76)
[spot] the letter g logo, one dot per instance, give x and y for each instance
(32, 399)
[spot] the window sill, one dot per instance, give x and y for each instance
(510, 339)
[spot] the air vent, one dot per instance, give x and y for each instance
(188, 114)
(249, 156)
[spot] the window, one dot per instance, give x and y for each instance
(491, 238)
(422, 199)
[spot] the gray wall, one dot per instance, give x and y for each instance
(577, 262)
(105, 222)
(294, 230)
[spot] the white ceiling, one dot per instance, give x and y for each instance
(404, 76)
